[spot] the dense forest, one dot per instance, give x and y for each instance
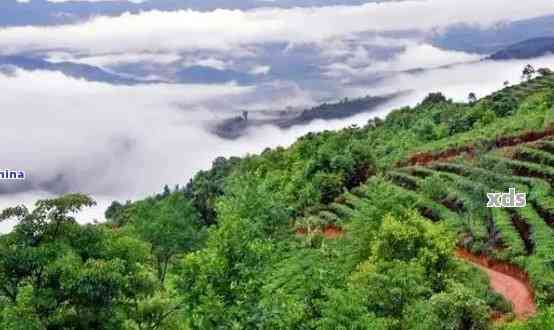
(353, 229)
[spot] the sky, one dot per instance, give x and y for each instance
(126, 142)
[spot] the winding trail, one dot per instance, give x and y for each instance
(507, 280)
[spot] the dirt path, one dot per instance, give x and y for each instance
(330, 232)
(508, 281)
(424, 158)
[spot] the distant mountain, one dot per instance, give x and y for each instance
(190, 75)
(76, 70)
(475, 39)
(527, 49)
(236, 127)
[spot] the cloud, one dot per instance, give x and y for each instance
(119, 142)
(70, 134)
(260, 69)
(112, 59)
(210, 62)
(457, 81)
(226, 30)
(79, 133)
(360, 64)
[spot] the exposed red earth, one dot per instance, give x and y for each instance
(501, 142)
(507, 280)
(330, 232)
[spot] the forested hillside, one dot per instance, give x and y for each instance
(526, 49)
(349, 229)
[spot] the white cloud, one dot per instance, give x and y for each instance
(458, 81)
(93, 133)
(185, 30)
(118, 142)
(260, 69)
(359, 64)
(424, 56)
(106, 139)
(208, 62)
(111, 59)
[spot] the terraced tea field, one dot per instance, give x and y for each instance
(453, 190)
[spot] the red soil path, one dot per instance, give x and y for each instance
(425, 158)
(507, 280)
(330, 232)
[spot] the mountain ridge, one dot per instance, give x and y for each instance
(527, 49)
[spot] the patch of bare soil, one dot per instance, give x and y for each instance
(507, 280)
(500, 142)
(330, 232)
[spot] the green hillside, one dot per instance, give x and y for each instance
(349, 229)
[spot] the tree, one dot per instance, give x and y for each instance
(472, 98)
(425, 130)
(166, 191)
(49, 218)
(207, 186)
(434, 98)
(116, 213)
(544, 71)
(220, 284)
(56, 274)
(345, 309)
(330, 186)
(364, 164)
(171, 226)
(455, 309)
(528, 72)
(503, 104)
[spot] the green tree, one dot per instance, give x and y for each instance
(220, 285)
(433, 99)
(503, 105)
(472, 98)
(455, 309)
(528, 72)
(171, 226)
(544, 71)
(346, 309)
(57, 274)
